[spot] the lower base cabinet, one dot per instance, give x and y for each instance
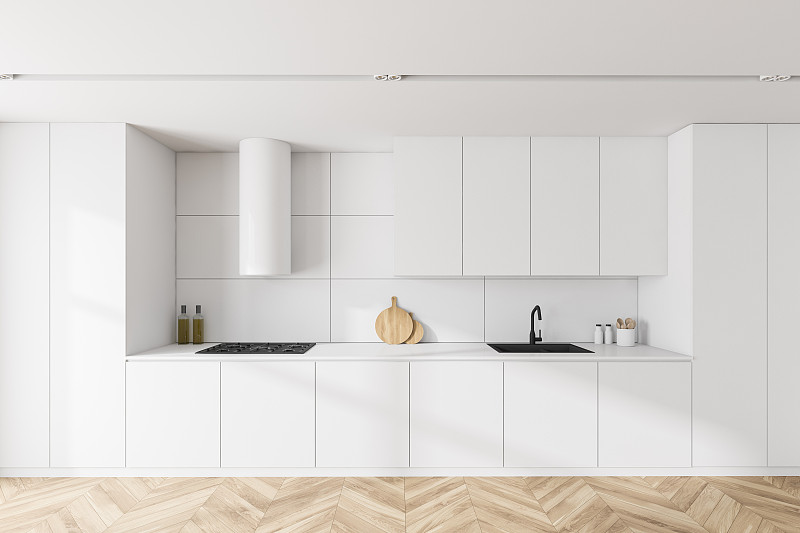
(456, 414)
(550, 414)
(267, 414)
(362, 414)
(172, 414)
(645, 414)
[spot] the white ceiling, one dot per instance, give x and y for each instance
(200, 75)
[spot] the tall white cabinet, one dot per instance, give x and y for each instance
(111, 280)
(783, 294)
(729, 295)
(87, 294)
(24, 295)
(497, 208)
(428, 206)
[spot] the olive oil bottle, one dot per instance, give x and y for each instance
(183, 326)
(197, 327)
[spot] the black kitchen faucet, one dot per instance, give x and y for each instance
(536, 313)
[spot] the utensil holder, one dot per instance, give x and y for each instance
(626, 337)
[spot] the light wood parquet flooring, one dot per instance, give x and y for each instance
(397, 505)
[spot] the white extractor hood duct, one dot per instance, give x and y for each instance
(265, 207)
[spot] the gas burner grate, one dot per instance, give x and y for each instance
(246, 348)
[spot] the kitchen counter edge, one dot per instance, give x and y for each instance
(439, 351)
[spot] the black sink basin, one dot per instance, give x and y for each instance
(539, 348)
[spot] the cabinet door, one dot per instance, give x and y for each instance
(729, 290)
(633, 206)
(550, 414)
(645, 414)
(427, 217)
(497, 208)
(565, 206)
(87, 295)
(24, 295)
(457, 414)
(172, 415)
(267, 414)
(784, 294)
(362, 414)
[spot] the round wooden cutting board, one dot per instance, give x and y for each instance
(394, 325)
(418, 332)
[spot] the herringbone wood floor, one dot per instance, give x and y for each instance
(395, 505)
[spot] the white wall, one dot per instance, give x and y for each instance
(342, 266)
(665, 302)
(150, 242)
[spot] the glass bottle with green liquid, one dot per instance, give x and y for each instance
(197, 327)
(183, 326)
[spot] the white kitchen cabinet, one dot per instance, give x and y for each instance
(633, 206)
(565, 206)
(362, 184)
(497, 206)
(784, 294)
(24, 295)
(87, 295)
(362, 414)
(267, 415)
(172, 414)
(644, 414)
(456, 414)
(112, 280)
(550, 414)
(428, 213)
(730, 295)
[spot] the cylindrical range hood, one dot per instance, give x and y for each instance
(265, 207)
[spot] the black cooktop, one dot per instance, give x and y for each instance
(247, 348)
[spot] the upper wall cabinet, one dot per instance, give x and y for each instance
(428, 203)
(565, 206)
(633, 206)
(519, 206)
(497, 208)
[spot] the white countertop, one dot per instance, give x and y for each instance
(440, 351)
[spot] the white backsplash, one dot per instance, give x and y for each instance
(258, 310)
(342, 268)
(570, 307)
